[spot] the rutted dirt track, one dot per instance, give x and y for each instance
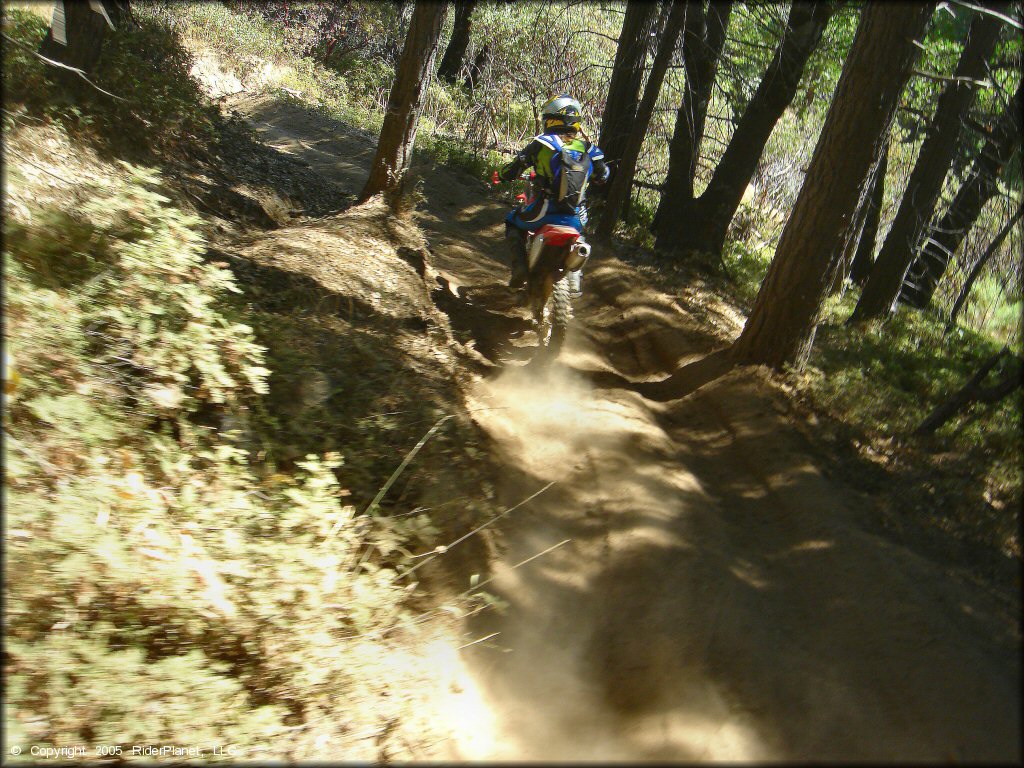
(716, 598)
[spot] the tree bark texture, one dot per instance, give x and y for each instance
(946, 236)
(864, 258)
(627, 75)
(973, 392)
(703, 40)
(476, 69)
(691, 224)
(844, 263)
(961, 299)
(925, 184)
(84, 30)
(622, 181)
(398, 134)
(780, 329)
(455, 53)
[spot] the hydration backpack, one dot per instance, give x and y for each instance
(571, 171)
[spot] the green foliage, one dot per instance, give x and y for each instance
(455, 154)
(883, 379)
(825, 65)
(24, 74)
(158, 106)
(747, 263)
(164, 583)
(151, 308)
(990, 309)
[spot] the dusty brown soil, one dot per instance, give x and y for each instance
(711, 595)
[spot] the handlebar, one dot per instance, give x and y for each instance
(495, 179)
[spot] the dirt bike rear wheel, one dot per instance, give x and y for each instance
(561, 314)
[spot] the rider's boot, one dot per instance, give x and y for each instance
(517, 250)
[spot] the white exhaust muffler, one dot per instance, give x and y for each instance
(579, 252)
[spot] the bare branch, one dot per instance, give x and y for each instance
(53, 63)
(947, 79)
(990, 12)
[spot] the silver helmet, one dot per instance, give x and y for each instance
(563, 110)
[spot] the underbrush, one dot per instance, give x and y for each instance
(881, 380)
(166, 581)
(155, 107)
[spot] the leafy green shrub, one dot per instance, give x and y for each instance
(158, 106)
(988, 308)
(23, 73)
(146, 300)
(164, 584)
(747, 261)
(452, 152)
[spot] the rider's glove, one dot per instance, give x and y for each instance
(505, 174)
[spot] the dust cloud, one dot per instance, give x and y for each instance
(588, 663)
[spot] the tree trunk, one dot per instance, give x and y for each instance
(84, 30)
(476, 69)
(700, 225)
(876, 186)
(973, 392)
(398, 134)
(780, 329)
(945, 237)
(980, 265)
(703, 40)
(627, 75)
(622, 181)
(844, 264)
(865, 255)
(455, 54)
(925, 184)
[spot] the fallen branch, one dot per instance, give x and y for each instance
(973, 392)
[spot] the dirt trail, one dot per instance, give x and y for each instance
(716, 598)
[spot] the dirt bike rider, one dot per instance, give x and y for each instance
(562, 118)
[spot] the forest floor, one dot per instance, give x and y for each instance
(705, 590)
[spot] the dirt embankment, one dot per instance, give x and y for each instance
(704, 591)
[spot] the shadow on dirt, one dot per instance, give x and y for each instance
(482, 315)
(332, 149)
(716, 601)
(692, 588)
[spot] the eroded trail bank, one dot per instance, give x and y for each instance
(715, 596)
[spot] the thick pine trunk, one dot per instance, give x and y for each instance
(398, 134)
(700, 225)
(781, 325)
(925, 184)
(864, 258)
(455, 53)
(703, 40)
(622, 181)
(627, 75)
(946, 236)
(84, 30)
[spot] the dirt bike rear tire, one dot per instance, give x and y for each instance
(561, 315)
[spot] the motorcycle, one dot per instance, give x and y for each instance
(555, 258)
